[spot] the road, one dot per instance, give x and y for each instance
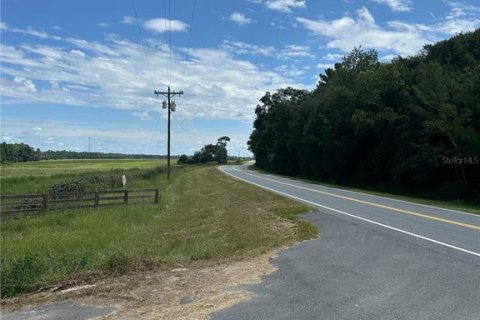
(376, 258)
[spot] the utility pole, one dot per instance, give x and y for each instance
(171, 107)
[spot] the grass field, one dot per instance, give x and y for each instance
(55, 167)
(39, 176)
(203, 215)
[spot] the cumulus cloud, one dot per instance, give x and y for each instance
(240, 19)
(285, 5)
(239, 47)
(121, 74)
(143, 115)
(161, 25)
(295, 51)
(129, 20)
(397, 37)
(397, 5)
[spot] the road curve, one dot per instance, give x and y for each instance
(376, 258)
(454, 229)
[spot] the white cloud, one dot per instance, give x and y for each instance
(285, 5)
(129, 20)
(25, 84)
(334, 57)
(459, 10)
(29, 32)
(345, 33)
(288, 52)
(239, 47)
(143, 115)
(37, 129)
(161, 25)
(290, 71)
(461, 17)
(295, 51)
(49, 140)
(103, 25)
(324, 65)
(120, 74)
(240, 19)
(399, 38)
(397, 5)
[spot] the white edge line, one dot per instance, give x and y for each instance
(377, 196)
(354, 216)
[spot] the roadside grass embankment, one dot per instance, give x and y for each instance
(397, 194)
(203, 215)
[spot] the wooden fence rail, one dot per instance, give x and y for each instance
(30, 203)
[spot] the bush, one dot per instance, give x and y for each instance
(102, 182)
(20, 275)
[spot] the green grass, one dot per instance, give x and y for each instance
(39, 176)
(56, 167)
(203, 215)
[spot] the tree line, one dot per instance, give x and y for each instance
(209, 153)
(21, 152)
(411, 124)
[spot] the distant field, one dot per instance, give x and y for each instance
(55, 167)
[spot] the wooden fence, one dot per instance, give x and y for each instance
(31, 203)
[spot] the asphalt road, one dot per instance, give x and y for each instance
(376, 258)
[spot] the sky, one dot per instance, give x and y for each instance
(81, 75)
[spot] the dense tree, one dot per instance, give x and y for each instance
(21, 152)
(209, 153)
(18, 152)
(413, 123)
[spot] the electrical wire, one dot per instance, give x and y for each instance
(170, 40)
(190, 32)
(149, 71)
(189, 136)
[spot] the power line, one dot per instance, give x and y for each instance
(190, 32)
(170, 40)
(137, 20)
(180, 125)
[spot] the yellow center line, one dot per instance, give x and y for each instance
(466, 225)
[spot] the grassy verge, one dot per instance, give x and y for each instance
(400, 195)
(203, 215)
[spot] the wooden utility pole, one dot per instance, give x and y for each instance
(168, 94)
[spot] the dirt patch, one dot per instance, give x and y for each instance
(190, 291)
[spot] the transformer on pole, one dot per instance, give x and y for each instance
(171, 106)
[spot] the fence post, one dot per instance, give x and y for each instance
(96, 200)
(156, 196)
(45, 202)
(125, 196)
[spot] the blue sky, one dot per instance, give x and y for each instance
(71, 70)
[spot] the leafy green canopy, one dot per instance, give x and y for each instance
(209, 153)
(413, 123)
